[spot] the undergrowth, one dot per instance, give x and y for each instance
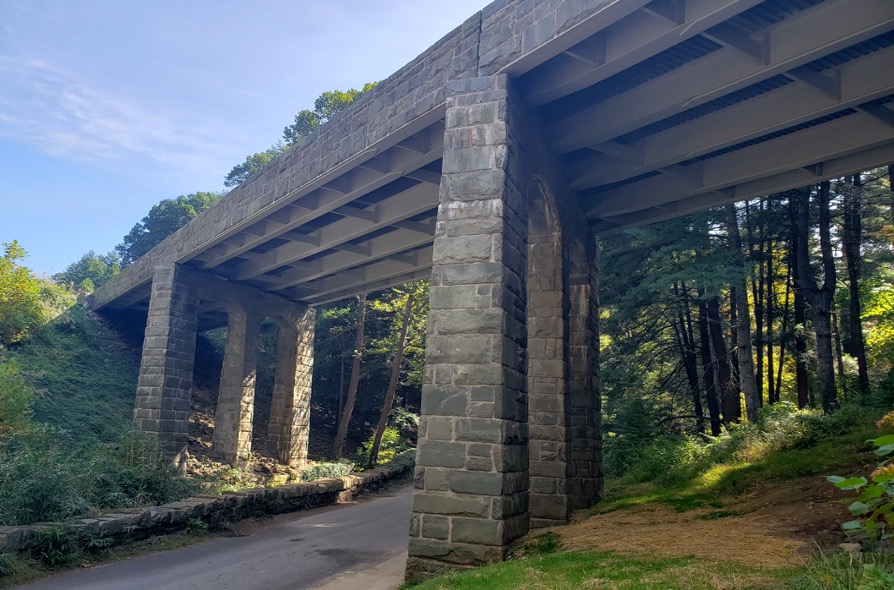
(784, 443)
(47, 475)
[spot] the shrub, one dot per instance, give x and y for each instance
(321, 470)
(874, 507)
(15, 397)
(46, 476)
(392, 444)
(56, 546)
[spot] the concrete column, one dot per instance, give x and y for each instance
(169, 347)
(549, 410)
(584, 384)
(471, 480)
(290, 408)
(235, 402)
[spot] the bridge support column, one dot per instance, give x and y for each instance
(471, 496)
(584, 387)
(549, 409)
(235, 402)
(166, 368)
(290, 409)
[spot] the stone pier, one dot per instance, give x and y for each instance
(179, 294)
(508, 413)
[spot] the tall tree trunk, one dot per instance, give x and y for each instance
(783, 334)
(687, 354)
(348, 410)
(820, 298)
(730, 402)
(836, 341)
(392, 385)
(708, 365)
(851, 240)
(756, 253)
(772, 392)
(746, 358)
(734, 338)
(805, 397)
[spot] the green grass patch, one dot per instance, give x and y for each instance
(609, 570)
(749, 467)
(83, 378)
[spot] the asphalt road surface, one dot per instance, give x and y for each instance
(306, 551)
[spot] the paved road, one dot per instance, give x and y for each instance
(314, 549)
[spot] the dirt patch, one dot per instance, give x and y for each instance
(776, 527)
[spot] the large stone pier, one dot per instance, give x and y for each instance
(508, 341)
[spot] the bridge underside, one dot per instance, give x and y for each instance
(488, 164)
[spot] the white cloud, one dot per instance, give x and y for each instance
(71, 118)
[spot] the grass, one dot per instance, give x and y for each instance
(603, 569)
(745, 469)
(83, 378)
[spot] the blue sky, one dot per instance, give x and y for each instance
(109, 106)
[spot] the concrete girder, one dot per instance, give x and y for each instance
(634, 38)
(773, 111)
(380, 247)
(342, 190)
(358, 279)
(836, 138)
(791, 179)
(794, 42)
(409, 203)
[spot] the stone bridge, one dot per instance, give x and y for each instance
(488, 164)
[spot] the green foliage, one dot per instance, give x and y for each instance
(10, 563)
(874, 506)
(321, 470)
(335, 328)
(15, 397)
(59, 363)
(391, 446)
(163, 219)
(541, 544)
(56, 546)
(90, 271)
(242, 172)
(306, 122)
(609, 570)
(844, 571)
(785, 443)
(880, 313)
(325, 107)
(196, 526)
(46, 475)
(20, 296)
(96, 543)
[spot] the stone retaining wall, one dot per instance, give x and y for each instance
(214, 510)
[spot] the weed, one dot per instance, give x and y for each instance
(9, 564)
(96, 543)
(56, 546)
(321, 470)
(541, 544)
(196, 526)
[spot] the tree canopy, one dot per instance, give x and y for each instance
(90, 271)
(306, 122)
(163, 219)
